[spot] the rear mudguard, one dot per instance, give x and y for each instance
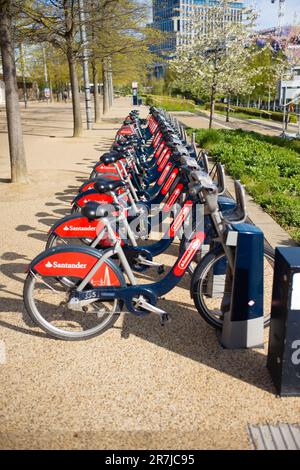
(91, 195)
(89, 184)
(76, 226)
(103, 169)
(77, 262)
(126, 130)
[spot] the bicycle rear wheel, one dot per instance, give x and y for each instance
(211, 289)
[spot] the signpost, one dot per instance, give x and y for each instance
(135, 93)
(47, 93)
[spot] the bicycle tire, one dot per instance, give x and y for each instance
(198, 284)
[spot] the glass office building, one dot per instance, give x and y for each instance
(176, 18)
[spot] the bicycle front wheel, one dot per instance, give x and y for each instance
(46, 302)
(212, 286)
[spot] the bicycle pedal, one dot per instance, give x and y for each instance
(164, 318)
(160, 269)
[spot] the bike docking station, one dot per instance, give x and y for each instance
(284, 342)
(243, 323)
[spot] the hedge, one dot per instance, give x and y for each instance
(268, 166)
(274, 115)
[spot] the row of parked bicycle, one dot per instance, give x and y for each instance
(152, 177)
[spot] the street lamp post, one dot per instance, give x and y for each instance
(85, 67)
(45, 73)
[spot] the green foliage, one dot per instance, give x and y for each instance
(254, 112)
(268, 166)
(170, 104)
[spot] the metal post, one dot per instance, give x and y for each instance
(284, 112)
(22, 60)
(45, 72)
(110, 83)
(298, 120)
(85, 67)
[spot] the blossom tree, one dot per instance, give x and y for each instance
(217, 55)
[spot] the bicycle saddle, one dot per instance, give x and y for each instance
(122, 147)
(93, 210)
(112, 157)
(107, 185)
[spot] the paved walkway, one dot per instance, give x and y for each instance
(263, 126)
(137, 386)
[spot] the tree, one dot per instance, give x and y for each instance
(217, 57)
(269, 67)
(57, 22)
(119, 42)
(14, 125)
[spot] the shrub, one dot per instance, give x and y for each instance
(268, 166)
(254, 112)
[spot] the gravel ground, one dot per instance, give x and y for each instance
(138, 386)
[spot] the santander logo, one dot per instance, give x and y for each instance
(83, 229)
(164, 174)
(181, 217)
(189, 254)
(57, 265)
(169, 183)
(105, 280)
(173, 197)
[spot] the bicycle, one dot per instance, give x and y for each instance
(99, 288)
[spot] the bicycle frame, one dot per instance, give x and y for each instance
(150, 292)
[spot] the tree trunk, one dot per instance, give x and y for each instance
(77, 128)
(14, 125)
(105, 88)
(97, 112)
(212, 105)
(228, 109)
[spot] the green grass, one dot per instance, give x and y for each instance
(237, 115)
(171, 104)
(268, 166)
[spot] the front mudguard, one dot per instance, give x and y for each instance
(77, 262)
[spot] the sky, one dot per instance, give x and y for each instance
(269, 12)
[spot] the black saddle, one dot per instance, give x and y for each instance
(107, 185)
(93, 210)
(112, 157)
